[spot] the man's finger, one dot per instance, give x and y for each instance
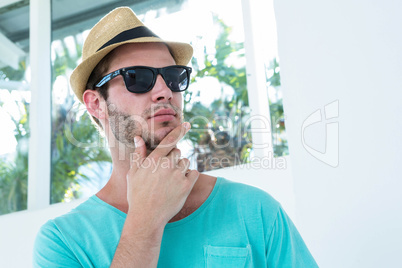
(174, 155)
(183, 165)
(170, 141)
(193, 175)
(140, 152)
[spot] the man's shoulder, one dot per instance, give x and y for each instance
(251, 205)
(79, 211)
(247, 196)
(88, 212)
(80, 234)
(241, 190)
(89, 206)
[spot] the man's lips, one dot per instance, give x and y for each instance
(163, 115)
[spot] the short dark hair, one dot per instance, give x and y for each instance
(98, 72)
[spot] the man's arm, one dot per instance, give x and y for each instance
(157, 188)
(139, 244)
(286, 247)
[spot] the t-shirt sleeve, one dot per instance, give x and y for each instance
(50, 250)
(286, 247)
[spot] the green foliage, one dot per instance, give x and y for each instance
(14, 169)
(75, 140)
(68, 153)
(67, 159)
(74, 144)
(9, 73)
(218, 131)
(64, 61)
(224, 121)
(280, 143)
(14, 172)
(275, 79)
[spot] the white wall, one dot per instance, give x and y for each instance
(271, 175)
(350, 51)
(18, 230)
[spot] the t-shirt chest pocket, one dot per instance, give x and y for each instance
(233, 257)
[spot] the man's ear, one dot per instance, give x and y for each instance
(95, 103)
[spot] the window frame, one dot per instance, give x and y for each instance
(39, 161)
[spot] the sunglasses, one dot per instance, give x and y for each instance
(141, 79)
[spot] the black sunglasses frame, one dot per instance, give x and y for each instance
(155, 72)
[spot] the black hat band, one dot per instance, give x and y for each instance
(134, 33)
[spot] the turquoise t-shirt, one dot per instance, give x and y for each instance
(237, 226)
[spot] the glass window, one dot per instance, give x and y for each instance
(216, 103)
(14, 106)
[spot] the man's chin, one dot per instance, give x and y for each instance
(159, 131)
(162, 132)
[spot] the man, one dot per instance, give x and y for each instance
(154, 211)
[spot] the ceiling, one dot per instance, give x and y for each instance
(69, 16)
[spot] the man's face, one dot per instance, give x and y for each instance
(151, 115)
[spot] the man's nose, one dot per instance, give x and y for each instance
(160, 91)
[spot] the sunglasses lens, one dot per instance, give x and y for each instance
(176, 78)
(139, 80)
(142, 79)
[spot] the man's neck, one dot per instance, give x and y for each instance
(115, 191)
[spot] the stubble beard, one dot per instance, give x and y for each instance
(125, 126)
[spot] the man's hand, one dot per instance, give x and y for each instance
(157, 188)
(158, 185)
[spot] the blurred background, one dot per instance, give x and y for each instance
(217, 104)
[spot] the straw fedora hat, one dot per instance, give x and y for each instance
(120, 26)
